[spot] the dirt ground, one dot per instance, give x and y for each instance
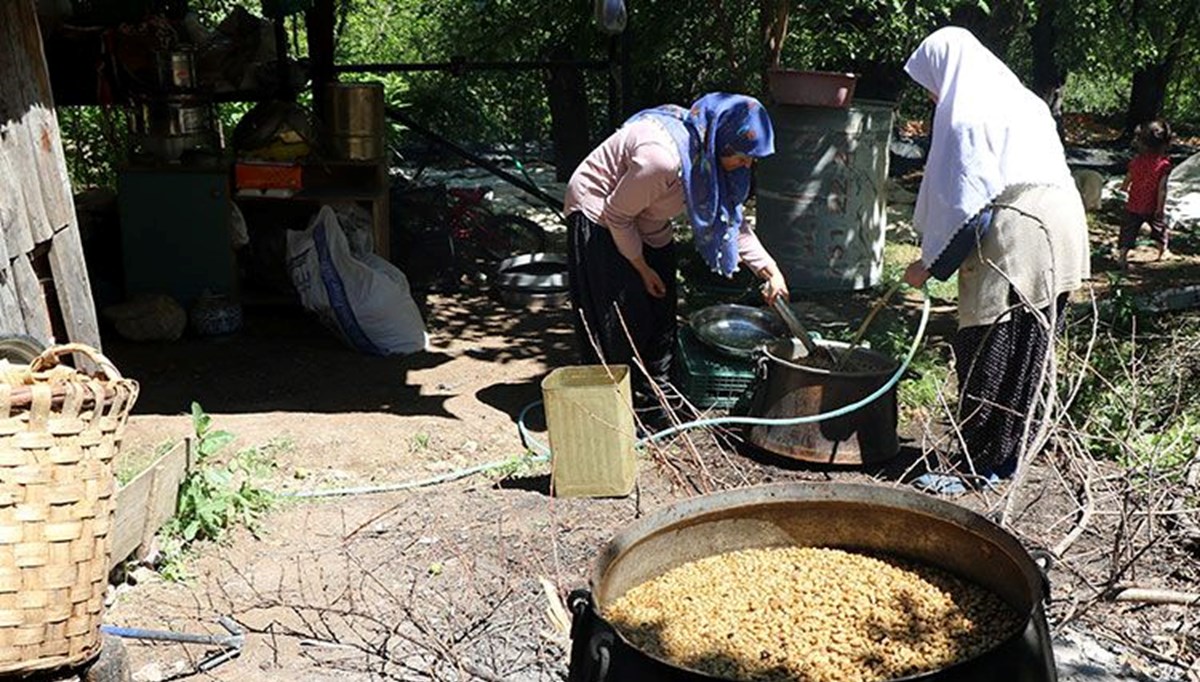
(446, 582)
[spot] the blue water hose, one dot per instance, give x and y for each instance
(541, 452)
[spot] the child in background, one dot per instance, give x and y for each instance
(1146, 183)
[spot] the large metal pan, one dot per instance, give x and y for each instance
(866, 518)
(736, 330)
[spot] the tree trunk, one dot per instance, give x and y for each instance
(1147, 95)
(569, 118)
(1048, 75)
(721, 22)
(773, 22)
(1149, 89)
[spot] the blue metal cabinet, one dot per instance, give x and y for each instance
(175, 234)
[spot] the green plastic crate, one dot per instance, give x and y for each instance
(706, 377)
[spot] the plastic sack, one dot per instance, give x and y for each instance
(610, 15)
(364, 298)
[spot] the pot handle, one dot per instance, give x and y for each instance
(1044, 560)
(601, 644)
(578, 601)
(591, 654)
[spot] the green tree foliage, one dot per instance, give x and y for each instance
(872, 38)
(1106, 43)
(678, 49)
(492, 106)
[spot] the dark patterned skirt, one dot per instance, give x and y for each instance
(999, 367)
(606, 290)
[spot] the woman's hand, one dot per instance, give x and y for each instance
(650, 279)
(775, 284)
(916, 274)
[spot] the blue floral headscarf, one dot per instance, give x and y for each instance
(718, 124)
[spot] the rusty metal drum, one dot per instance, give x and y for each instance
(790, 386)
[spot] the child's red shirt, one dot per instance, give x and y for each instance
(1146, 171)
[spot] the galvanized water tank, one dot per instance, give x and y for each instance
(822, 195)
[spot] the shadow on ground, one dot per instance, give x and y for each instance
(283, 359)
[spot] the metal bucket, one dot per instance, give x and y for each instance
(822, 197)
(167, 127)
(355, 124)
(868, 518)
(789, 387)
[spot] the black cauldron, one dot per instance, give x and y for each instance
(898, 522)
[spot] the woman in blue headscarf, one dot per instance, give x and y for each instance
(620, 202)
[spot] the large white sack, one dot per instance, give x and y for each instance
(364, 298)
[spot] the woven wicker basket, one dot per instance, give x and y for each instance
(59, 431)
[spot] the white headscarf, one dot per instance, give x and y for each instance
(989, 132)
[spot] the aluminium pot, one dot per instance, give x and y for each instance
(790, 385)
(898, 522)
(167, 127)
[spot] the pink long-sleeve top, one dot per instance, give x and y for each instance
(630, 184)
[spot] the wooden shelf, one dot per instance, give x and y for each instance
(335, 180)
(318, 195)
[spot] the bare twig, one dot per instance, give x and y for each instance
(1148, 595)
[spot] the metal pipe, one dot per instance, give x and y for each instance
(236, 637)
(455, 66)
(399, 116)
(230, 644)
(162, 635)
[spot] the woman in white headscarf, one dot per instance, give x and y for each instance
(997, 204)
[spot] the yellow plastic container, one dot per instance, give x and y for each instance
(589, 414)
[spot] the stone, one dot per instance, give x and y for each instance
(1090, 185)
(148, 318)
(113, 663)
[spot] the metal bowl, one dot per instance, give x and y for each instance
(534, 281)
(736, 329)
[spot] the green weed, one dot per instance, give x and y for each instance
(216, 496)
(129, 466)
(419, 442)
(523, 464)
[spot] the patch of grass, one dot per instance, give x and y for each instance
(128, 466)
(1138, 402)
(917, 391)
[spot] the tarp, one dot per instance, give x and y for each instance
(1183, 193)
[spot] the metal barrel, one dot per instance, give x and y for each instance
(822, 197)
(355, 126)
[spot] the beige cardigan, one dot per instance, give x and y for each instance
(1037, 244)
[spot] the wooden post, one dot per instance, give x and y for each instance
(36, 203)
(320, 24)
